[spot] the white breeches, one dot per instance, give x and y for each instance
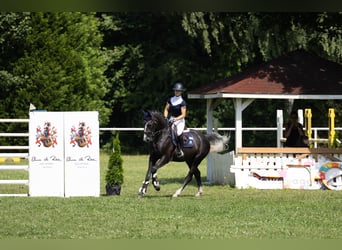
(180, 125)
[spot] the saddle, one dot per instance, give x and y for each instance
(186, 138)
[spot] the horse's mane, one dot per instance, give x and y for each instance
(156, 115)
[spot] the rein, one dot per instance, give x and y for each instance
(153, 134)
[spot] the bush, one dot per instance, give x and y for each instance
(114, 175)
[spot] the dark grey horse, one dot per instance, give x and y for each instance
(157, 132)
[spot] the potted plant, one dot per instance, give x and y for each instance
(114, 175)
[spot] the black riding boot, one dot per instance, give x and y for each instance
(179, 153)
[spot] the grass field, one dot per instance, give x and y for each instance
(221, 213)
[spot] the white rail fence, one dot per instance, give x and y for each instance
(6, 155)
(9, 166)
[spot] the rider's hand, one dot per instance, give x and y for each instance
(172, 120)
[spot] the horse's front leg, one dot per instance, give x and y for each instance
(164, 160)
(155, 181)
(143, 189)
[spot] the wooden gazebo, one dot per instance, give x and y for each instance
(296, 75)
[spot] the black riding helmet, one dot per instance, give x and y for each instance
(178, 86)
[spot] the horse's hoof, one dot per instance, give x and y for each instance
(156, 185)
(174, 195)
(140, 195)
(198, 194)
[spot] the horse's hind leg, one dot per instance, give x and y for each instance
(197, 174)
(193, 166)
(187, 179)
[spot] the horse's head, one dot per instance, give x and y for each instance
(150, 130)
(154, 123)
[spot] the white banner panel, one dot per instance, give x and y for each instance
(46, 155)
(82, 157)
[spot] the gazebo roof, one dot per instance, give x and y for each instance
(296, 75)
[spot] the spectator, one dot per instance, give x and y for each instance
(294, 133)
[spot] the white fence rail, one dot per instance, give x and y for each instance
(316, 138)
(6, 155)
(14, 167)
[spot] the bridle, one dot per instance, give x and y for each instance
(151, 134)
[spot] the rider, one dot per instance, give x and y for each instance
(177, 107)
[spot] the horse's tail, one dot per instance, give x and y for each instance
(218, 143)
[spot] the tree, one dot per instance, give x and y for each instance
(14, 28)
(62, 66)
(151, 51)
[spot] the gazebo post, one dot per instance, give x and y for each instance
(211, 105)
(239, 105)
(280, 122)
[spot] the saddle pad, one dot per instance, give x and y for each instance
(188, 140)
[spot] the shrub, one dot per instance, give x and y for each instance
(114, 175)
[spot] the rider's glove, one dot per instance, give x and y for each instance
(171, 120)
